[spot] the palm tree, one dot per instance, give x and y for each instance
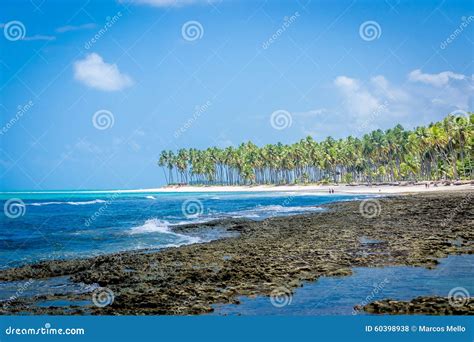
(441, 150)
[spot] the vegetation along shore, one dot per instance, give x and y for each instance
(442, 150)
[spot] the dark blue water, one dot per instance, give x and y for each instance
(339, 295)
(40, 226)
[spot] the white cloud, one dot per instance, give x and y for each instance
(39, 37)
(437, 80)
(68, 28)
(314, 113)
(168, 3)
(366, 105)
(95, 73)
(357, 98)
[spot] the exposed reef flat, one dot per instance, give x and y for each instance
(264, 256)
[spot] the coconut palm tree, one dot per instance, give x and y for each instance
(441, 150)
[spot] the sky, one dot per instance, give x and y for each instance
(92, 91)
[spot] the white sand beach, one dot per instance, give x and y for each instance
(341, 188)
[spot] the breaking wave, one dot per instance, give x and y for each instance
(39, 204)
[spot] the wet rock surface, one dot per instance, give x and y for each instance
(422, 306)
(279, 252)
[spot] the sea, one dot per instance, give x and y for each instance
(39, 226)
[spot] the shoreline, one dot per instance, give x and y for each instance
(324, 189)
(311, 188)
(278, 252)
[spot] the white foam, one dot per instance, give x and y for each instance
(283, 209)
(39, 204)
(163, 227)
(151, 197)
(265, 211)
(152, 226)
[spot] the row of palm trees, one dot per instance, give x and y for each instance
(442, 150)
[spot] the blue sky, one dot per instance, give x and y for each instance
(92, 91)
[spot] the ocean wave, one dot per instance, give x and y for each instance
(151, 197)
(39, 204)
(163, 227)
(271, 210)
(284, 209)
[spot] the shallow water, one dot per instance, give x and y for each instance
(82, 224)
(338, 295)
(326, 296)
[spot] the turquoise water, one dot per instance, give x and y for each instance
(339, 295)
(54, 225)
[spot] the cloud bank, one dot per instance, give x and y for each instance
(437, 80)
(366, 105)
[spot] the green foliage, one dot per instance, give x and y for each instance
(442, 150)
